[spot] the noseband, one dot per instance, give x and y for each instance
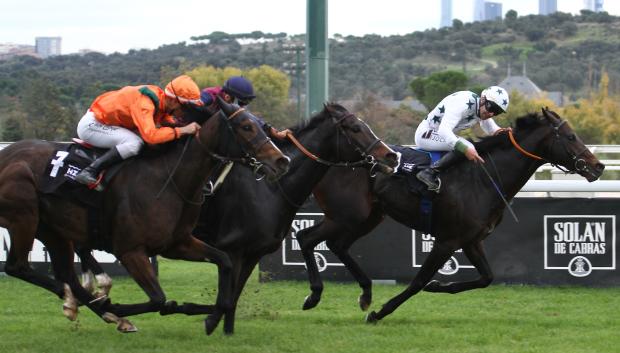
(579, 164)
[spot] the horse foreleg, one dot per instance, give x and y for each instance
(308, 238)
(475, 254)
(435, 260)
(137, 264)
(195, 250)
(242, 273)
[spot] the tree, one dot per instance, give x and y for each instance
(432, 89)
(46, 117)
(12, 129)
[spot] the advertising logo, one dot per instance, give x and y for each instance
(580, 244)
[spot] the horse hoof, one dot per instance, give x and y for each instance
(70, 305)
(69, 312)
(211, 325)
(310, 302)
(372, 318)
(125, 326)
(364, 302)
(432, 286)
(170, 307)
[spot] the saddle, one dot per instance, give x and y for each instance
(411, 162)
(59, 179)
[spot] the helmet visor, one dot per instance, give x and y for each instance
(491, 107)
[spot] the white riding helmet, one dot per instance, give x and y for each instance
(497, 95)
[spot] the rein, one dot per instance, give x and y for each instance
(315, 158)
(579, 164)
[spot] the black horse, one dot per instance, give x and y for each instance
(150, 207)
(248, 230)
(465, 212)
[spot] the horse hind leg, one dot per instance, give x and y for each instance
(438, 256)
(476, 255)
(61, 255)
(94, 278)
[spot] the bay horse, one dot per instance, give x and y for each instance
(249, 230)
(466, 211)
(150, 207)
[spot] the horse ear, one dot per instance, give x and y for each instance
(227, 108)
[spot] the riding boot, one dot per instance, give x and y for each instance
(89, 175)
(430, 176)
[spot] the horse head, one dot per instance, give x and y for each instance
(565, 149)
(250, 141)
(360, 135)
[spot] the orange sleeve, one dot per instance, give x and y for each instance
(142, 114)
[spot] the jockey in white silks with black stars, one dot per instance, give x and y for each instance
(456, 112)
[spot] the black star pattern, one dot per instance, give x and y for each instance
(436, 119)
(442, 109)
(499, 91)
(505, 103)
(470, 104)
(470, 117)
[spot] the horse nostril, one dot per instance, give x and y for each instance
(391, 156)
(600, 167)
(283, 163)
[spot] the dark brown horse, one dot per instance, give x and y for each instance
(464, 213)
(149, 208)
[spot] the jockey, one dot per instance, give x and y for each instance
(454, 113)
(123, 120)
(236, 90)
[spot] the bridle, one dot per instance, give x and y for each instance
(257, 142)
(579, 164)
(367, 158)
(233, 120)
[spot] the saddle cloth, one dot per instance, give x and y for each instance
(59, 180)
(410, 163)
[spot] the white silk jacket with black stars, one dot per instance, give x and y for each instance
(456, 112)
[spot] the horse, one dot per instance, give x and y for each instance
(150, 207)
(245, 231)
(354, 205)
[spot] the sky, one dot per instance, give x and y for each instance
(120, 25)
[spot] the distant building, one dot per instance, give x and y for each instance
(47, 46)
(547, 7)
(492, 10)
(478, 10)
(593, 5)
(9, 50)
(446, 13)
(529, 89)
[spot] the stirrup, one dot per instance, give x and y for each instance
(435, 189)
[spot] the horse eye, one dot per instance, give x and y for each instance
(571, 137)
(247, 127)
(356, 128)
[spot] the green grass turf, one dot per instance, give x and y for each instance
(269, 319)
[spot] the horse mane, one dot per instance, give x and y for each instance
(523, 125)
(311, 123)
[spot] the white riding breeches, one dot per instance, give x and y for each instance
(429, 140)
(127, 142)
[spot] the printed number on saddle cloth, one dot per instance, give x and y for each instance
(58, 162)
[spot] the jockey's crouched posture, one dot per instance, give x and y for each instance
(123, 120)
(456, 112)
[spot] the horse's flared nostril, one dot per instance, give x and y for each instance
(600, 167)
(283, 163)
(392, 158)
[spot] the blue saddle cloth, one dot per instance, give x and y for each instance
(411, 162)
